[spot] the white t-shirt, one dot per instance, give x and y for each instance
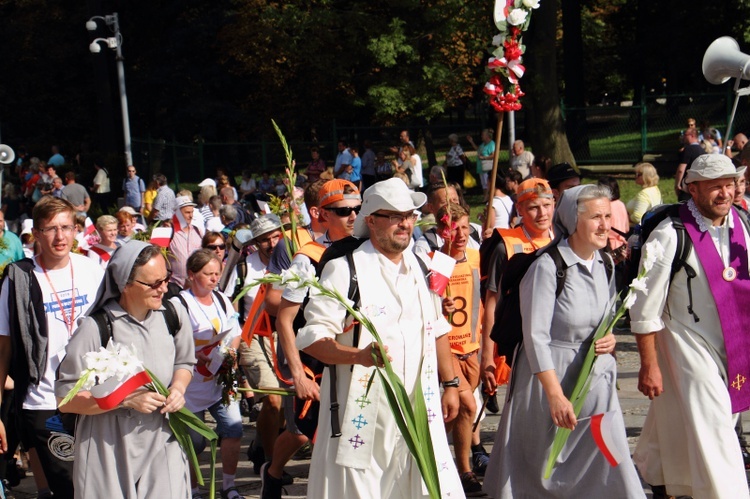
(86, 279)
(502, 206)
(255, 270)
(101, 179)
(207, 322)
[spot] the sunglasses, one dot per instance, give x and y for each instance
(157, 284)
(216, 246)
(344, 211)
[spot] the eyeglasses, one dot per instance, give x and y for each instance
(66, 229)
(157, 284)
(214, 247)
(399, 218)
(344, 211)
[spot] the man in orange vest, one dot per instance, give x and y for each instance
(536, 205)
(339, 203)
(463, 308)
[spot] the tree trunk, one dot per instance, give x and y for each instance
(546, 127)
(573, 72)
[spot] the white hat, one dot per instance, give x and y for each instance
(392, 194)
(265, 224)
(207, 181)
(129, 210)
(26, 226)
(712, 167)
(182, 201)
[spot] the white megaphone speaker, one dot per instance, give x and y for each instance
(723, 60)
(6, 154)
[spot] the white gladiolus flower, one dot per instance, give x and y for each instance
(498, 40)
(652, 251)
(639, 284)
(517, 17)
(629, 301)
(531, 4)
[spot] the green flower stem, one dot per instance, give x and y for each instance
(411, 419)
(583, 383)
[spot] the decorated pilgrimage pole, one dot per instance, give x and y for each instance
(512, 18)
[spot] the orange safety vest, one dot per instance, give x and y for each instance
(258, 321)
(466, 319)
(516, 241)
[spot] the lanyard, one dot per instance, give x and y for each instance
(68, 324)
(208, 319)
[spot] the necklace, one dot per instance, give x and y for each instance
(68, 323)
(728, 274)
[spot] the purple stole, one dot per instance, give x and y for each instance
(732, 300)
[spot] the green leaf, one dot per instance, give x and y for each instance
(76, 388)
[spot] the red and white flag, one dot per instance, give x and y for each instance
(161, 236)
(601, 429)
(111, 392)
(442, 267)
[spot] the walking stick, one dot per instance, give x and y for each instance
(489, 217)
(481, 411)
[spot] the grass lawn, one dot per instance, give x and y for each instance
(628, 190)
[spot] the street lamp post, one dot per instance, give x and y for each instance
(115, 43)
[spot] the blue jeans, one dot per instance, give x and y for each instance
(228, 423)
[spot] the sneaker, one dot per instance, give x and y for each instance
(480, 460)
(231, 493)
(471, 486)
(286, 479)
(257, 456)
(270, 487)
(304, 453)
(492, 405)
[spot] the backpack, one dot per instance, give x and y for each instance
(650, 220)
(341, 248)
(104, 323)
(507, 332)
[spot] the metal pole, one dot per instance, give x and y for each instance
(123, 92)
(511, 131)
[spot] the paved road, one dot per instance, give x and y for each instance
(634, 407)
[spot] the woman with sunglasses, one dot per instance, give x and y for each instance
(214, 324)
(129, 451)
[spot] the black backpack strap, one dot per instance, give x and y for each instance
(682, 251)
(171, 316)
(353, 295)
(609, 263)
(562, 269)
(431, 238)
(221, 301)
(104, 324)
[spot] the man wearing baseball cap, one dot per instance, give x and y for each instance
(536, 205)
(339, 202)
(370, 458)
(693, 341)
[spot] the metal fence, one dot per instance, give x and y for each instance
(613, 134)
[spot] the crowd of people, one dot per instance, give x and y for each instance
(193, 305)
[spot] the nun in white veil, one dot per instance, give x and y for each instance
(130, 451)
(557, 334)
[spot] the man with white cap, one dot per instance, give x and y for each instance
(186, 239)
(693, 343)
(371, 458)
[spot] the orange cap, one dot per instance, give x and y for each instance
(333, 191)
(533, 188)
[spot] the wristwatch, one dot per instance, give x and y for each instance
(452, 383)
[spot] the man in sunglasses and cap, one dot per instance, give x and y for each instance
(693, 341)
(338, 204)
(371, 458)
